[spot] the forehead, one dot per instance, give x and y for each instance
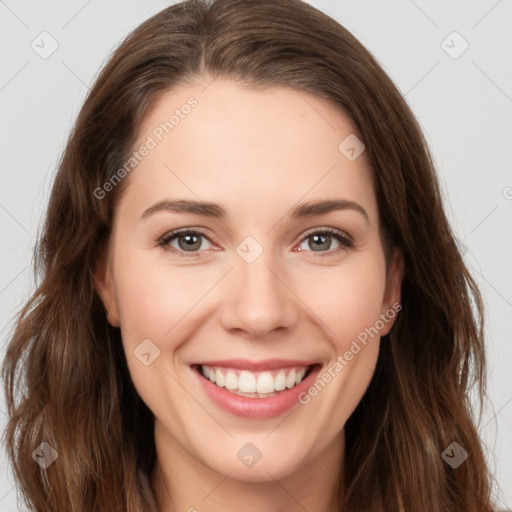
(247, 149)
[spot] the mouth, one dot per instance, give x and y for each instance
(251, 384)
(256, 390)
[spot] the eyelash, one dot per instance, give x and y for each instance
(164, 241)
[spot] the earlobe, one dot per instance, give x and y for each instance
(103, 283)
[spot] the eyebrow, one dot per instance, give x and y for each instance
(214, 210)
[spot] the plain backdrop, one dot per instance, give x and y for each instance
(451, 60)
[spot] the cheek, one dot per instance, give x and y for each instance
(154, 303)
(347, 298)
(153, 297)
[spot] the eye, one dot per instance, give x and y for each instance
(321, 241)
(188, 241)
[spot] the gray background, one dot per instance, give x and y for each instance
(464, 105)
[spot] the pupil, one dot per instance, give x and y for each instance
(324, 245)
(190, 243)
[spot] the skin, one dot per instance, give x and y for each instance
(258, 153)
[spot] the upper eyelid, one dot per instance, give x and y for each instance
(329, 231)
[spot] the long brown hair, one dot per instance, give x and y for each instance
(65, 373)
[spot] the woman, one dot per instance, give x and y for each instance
(251, 296)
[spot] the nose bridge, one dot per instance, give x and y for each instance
(258, 301)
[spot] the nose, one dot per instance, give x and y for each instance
(258, 300)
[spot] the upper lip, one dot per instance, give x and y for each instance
(265, 364)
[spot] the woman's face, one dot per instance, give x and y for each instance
(253, 293)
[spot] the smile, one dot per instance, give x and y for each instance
(255, 389)
(255, 384)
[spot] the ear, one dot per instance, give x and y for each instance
(104, 284)
(392, 294)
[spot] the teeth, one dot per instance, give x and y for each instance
(280, 381)
(219, 379)
(231, 381)
(290, 380)
(265, 383)
(260, 384)
(247, 382)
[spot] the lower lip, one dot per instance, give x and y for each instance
(256, 407)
